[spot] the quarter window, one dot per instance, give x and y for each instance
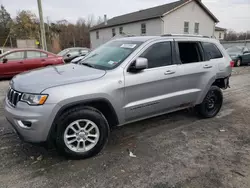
(186, 27)
(211, 50)
(158, 55)
(143, 29)
(189, 52)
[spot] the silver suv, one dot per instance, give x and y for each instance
(123, 81)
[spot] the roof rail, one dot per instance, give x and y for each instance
(183, 35)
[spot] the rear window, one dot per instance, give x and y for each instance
(211, 50)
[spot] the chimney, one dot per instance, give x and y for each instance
(105, 19)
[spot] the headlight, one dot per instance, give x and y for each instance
(34, 99)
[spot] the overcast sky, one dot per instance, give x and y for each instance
(233, 14)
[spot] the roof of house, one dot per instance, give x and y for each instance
(219, 29)
(151, 13)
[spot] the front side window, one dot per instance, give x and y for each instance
(189, 52)
(143, 29)
(186, 27)
(196, 28)
(15, 56)
(211, 50)
(158, 55)
(113, 32)
(245, 50)
(110, 55)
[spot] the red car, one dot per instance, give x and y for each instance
(20, 60)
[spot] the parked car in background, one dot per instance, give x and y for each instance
(240, 55)
(71, 53)
(77, 59)
(20, 60)
(125, 80)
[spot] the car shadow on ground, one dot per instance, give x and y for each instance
(120, 136)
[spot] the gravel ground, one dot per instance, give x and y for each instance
(175, 150)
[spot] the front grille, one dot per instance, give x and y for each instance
(13, 96)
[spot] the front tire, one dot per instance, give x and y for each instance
(212, 103)
(81, 133)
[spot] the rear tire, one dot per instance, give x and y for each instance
(81, 133)
(212, 103)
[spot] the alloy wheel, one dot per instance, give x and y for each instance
(81, 135)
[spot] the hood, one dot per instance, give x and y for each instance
(40, 79)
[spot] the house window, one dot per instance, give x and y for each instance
(143, 29)
(196, 28)
(113, 32)
(186, 27)
(121, 30)
(97, 34)
(219, 35)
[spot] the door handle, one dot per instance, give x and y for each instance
(207, 66)
(21, 62)
(169, 72)
(43, 60)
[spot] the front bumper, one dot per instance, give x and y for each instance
(39, 117)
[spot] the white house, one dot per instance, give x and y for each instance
(219, 33)
(180, 17)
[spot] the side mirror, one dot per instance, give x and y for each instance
(68, 55)
(5, 60)
(139, 65)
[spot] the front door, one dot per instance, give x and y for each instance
(13, 65)
(149, 92)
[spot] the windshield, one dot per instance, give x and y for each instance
(110, 55)
(63, 53)
(235, 49)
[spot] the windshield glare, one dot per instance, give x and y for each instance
(111, 55)
(235, 49)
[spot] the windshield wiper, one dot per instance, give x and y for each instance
(88, 65)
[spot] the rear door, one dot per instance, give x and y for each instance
(195, 72)
(34, 59)
(14, 64)
(150, 91)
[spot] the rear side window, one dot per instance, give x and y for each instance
(189, 52)
(158, 55)
(211, 50)
(35, 54)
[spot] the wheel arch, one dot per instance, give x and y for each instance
(100, 104)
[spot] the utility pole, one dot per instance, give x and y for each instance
(42, 28)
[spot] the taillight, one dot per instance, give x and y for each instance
(231, 63)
